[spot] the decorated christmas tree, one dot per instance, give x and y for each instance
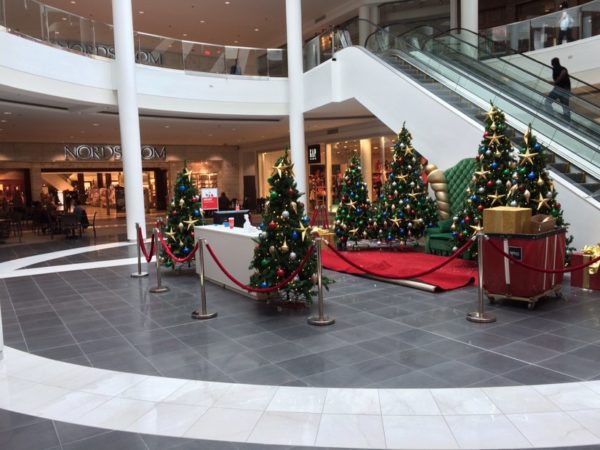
(183, 214)
(285, 238)
(405, 209)
(492, 180)
(532, 186)
(353, 213)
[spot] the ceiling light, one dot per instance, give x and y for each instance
(7, 113)
(73, 2)
(167, 126)
(184, 34)
(140, 12)
(236, 41)
(257, 29)
(202, 21)
(228, 3)
(3, 121)
(63, 18)
(96, 124)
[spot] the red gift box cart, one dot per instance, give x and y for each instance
(505, 279)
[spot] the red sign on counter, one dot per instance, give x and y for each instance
(209, 199)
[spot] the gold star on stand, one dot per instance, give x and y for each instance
(351, 204)
(495, 198)
(541, 201)
(188, 173)
(482, 173)
(190, 222)
(495, 138)
(395, 221)
(409, 150)
(279, 167)
(490, 114)
(170, 234)
(303, 230)
(526, 157)
(353, 231)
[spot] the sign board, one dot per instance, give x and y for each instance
(85, 152)
(314, 154)
(516, 252)
(209, 198)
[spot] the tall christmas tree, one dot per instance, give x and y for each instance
(492, 180)
(183, 214)
(285, 238)
(405, 209)
(353, 213)
(532, 185)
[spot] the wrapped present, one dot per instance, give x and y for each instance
(588, 277)
(507, 220)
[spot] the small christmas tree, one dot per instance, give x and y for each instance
(183, 214)
(353, 213)
(285, 238)
(492, 180)
(405, 209)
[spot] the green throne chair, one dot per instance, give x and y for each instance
(450, 191)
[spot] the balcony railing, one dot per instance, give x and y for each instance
(56, 27)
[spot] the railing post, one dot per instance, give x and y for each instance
(480, 316)
(159, 287)
(139, 273)
(321, 319)
(202, 314)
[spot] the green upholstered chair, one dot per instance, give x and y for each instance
(450, 191)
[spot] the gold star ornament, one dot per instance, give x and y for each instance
(495, 198)
(542, 202)
(190, 222)
(188, 173)
(526, 157)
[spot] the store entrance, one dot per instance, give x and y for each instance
(101, 191)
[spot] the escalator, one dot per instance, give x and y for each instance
(460, 68)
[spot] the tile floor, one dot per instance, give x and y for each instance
(385, 337)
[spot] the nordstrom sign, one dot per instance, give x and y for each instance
(85, 152)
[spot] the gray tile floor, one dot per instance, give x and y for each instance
(384, 336)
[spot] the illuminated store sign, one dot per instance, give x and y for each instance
(85, 152)
(141, 56)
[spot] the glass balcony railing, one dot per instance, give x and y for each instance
(545, 31)
(56, 27)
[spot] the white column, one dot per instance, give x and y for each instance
(328, 175)
(469, 15)
(129, 121)
(367, 167)
(364, 16)
(293, 16)
(1, 336)
(453, 14)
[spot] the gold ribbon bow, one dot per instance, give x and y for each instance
(592, 251)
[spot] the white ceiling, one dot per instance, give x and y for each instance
(26, 117)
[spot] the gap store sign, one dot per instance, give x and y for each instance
(86, 152)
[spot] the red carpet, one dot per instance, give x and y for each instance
(457, 274)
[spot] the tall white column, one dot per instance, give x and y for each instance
(469, 15)
(328, 175)
(293, 16)
(364, 27)
(1, 336)
(129, 121)
(367, 167)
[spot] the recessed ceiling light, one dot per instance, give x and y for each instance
(96, 124)
(167, 126)
(228, 3)
(257, 29)
(184, 34)
(140, 12)
(7, 113)
(3, 121)
(236, 41)
(63, 18)
(73, 2)
(202, 21)
(57, 32)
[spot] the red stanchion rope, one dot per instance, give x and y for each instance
(539, 269)
(248, 288)
(456, 254)
(170, 253)
(147, 255)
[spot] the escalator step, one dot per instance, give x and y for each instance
(562, 167)
(591, 187)
(577, 177)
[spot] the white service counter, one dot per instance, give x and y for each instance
(234, 248)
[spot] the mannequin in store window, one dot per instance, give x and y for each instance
(564, 24)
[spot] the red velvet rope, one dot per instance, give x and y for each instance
(404, 277)
(539, 269)
(261, 290)
(170, 253)
(315, 215)
(143, 246)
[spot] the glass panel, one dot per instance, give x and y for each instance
(64, 29)
(207, 58)
(159, 51)
(590, 19)
(2, 13)
(277, 62)
(24, 17)
(104, 44)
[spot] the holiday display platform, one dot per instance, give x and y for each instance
(456, 274)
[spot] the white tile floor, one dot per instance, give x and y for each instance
(501, 417)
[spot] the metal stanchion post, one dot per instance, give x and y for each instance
(321, 319)
(203, 313)
(159, 287)
(480, 316)
(139, 273)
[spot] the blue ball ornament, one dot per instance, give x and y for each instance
(389, 237)
(537, 146)
(351, 194)
(305, 220)
(358, 211)
(181, 188)
(385, 214)
(339, 232)
(295, 235)
(264, 284)
(402, 231)
(196, 213)
(494, 165)
(473, 198)
(262, 227)
(358, 184)
(186, 250)
(531, 175)
(454, 234)
(482, 149)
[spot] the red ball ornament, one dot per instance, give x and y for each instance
(557, 205)
(390, 197)
(174, 213)
(479, 207)
(490, 183)
(280, 273)
(486, 133)
(272, 226)
(290, 192)
(521, 187)
(467, 219)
